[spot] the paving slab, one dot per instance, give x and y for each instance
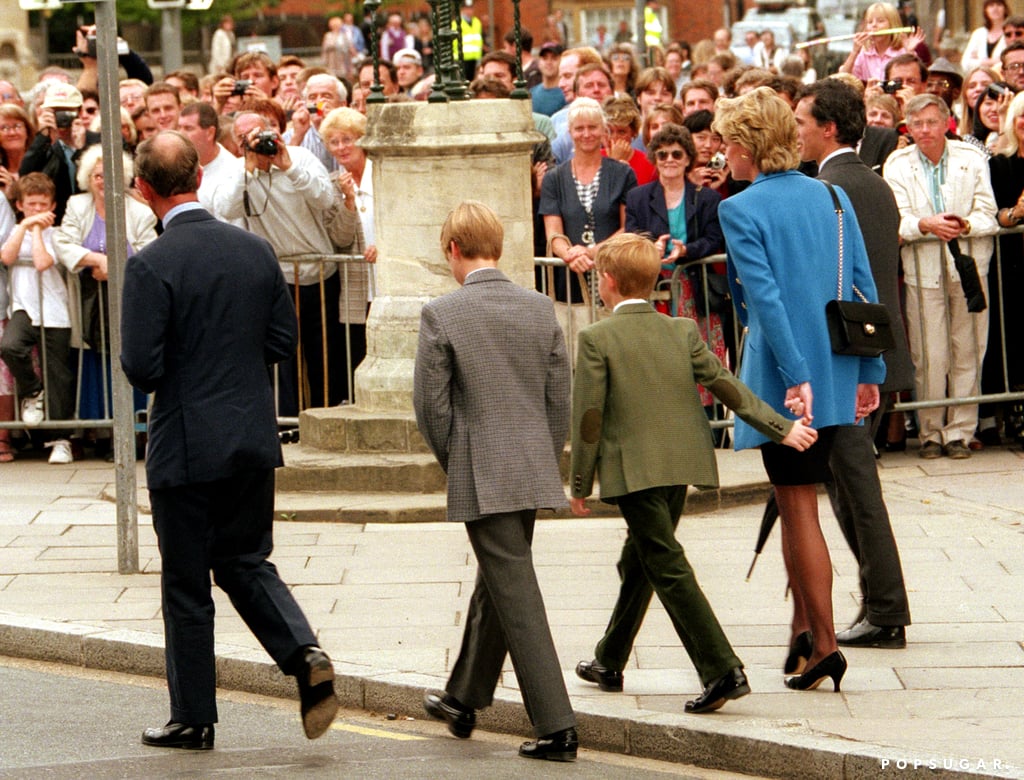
(389, 599)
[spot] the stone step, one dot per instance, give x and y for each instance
(310, 469)
(350, 429)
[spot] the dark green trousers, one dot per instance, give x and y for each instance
(653, 561)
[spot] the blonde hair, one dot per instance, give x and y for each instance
(343, 120)
(850, 80)
(1011, 144)
(763, 124)
(892, 17)
(475, 229)
(632, 261)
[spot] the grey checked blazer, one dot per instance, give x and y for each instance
(491, 393)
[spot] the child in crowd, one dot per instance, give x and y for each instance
(870, 52)
(639, 423)
(28, 253)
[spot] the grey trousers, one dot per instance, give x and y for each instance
(506, 615)
(857, 501)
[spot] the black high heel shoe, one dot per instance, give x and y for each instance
(833, 666)
(799, 652)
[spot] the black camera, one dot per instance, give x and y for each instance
(241, 85)
(266, 144)
(995, 91)
(64, 118)
(892, 86)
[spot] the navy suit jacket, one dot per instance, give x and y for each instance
(646, 212)
(205, 310)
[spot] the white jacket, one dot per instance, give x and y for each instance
(966, 193)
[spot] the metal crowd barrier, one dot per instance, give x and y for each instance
(573, 318)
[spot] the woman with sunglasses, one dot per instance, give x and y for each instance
(683, 220)
(624, 69)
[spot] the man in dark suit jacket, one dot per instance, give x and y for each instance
(830, 120)
(491, 393)
(205, 311)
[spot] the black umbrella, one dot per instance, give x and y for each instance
(771, 514)
(970, 282)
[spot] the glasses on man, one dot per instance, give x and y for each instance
(663, 154)
(938, 84)
(925, 124)
(1013, 67)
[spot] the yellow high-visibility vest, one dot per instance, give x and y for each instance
(472, 39)
(652, 27)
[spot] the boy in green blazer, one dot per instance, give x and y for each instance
(638, 422)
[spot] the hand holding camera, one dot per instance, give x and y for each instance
(264, 148)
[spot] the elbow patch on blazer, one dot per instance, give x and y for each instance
(725, 393)
(590, 426)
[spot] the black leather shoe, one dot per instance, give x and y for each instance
(729, 686)
(180, 735)
(560, 746)
(461, 720)
(318, 704)
(606, 679)
(864, 634)
(799, 652)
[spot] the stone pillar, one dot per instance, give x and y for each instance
(427, 158)
(16, 63)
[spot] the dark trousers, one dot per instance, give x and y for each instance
(856, 495)
(312, 328)
(225, 526)
(653, 561)
(506, 616)
(20, 337)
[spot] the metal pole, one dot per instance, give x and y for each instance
(641, 31)
(170, 40)
(117, 245)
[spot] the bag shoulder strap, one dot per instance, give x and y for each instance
(838, 207)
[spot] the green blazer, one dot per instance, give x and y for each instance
(637, 416)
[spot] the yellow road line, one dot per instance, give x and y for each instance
(376, 732)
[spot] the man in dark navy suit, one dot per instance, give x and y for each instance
(205, 311)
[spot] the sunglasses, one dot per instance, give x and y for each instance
(663, 154)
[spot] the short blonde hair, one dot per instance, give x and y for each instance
(475, 229)
(92, 157)
(1011, 144)
(850, 80)
(343, 120)
(763, 124)
(632, 261)
(585, 108)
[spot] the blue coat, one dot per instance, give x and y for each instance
(782, 244)
(646, 212)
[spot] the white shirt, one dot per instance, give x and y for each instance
(25, 286)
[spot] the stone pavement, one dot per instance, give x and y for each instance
(388, 602)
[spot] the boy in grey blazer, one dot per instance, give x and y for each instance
(638, 423)
(491, 393)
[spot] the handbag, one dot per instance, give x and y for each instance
(970, 282)
(857, 328)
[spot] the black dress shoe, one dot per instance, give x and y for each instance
(318, 704)
(461, 720)
(606, 679)
(732, 685)
(560, 746)
(180, 735)
(865, 634)
(799, 652)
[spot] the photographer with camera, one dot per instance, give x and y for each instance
(283, 193)
(60, 136)
(322, 94)
(85, 48)
(254, 76)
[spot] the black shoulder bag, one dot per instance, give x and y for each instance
(857, 328)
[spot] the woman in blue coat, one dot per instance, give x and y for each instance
(782, 240)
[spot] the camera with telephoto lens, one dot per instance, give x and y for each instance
(266, 143)
(995, 91)
(64, 118)
(717, 162)
(241, 85)
(892, 86)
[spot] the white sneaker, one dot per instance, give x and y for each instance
(32, 409)
(61, 451)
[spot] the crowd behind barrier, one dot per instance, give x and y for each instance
(577, 316)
